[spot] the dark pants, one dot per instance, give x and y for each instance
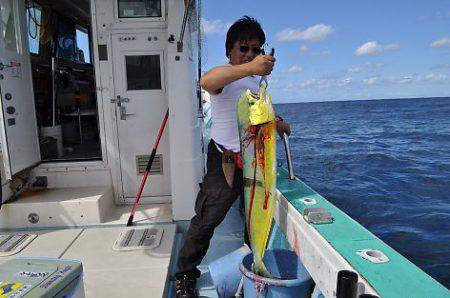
(214, 200)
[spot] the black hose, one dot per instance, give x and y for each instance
(347, 282)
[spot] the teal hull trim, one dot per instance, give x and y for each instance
(396, 278)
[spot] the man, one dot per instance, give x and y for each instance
(243, 47)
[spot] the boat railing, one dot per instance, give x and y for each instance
(336, 243)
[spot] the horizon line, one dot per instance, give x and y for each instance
(372, 99)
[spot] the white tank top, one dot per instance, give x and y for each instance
(224, 129)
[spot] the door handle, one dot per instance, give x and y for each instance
(3, 66)
(12, 64)
(123, 113)
(119, 100)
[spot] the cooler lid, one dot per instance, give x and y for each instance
(37, 277)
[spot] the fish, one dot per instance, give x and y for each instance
(257, 134)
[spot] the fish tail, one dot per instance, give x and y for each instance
(261, 269)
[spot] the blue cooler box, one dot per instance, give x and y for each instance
(41, 277)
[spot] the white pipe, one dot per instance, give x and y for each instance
(288, 156)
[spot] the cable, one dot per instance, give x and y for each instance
(32, 9)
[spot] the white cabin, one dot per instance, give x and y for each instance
(80, 113)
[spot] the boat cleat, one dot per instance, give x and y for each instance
(373, 255)
(317, 215)
(308, 201)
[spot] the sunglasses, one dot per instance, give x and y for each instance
(255, 50)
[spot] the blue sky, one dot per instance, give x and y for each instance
(343, 50)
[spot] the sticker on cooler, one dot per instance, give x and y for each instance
(11, 289)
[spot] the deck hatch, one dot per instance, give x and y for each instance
(11, 244)
(144, 238)
(157, 166)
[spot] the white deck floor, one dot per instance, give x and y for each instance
(108, 273)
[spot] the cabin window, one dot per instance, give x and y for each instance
(10, 32)
(66, 43)
(143, 72)
(139, 8)
(34, 27)
(83, 51)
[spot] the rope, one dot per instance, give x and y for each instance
(32, 9)
(183, 26)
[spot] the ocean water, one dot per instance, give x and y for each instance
(386, 163)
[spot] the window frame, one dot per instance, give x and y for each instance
(161, 72)
(139, 19)
(35, 5)
(84, 30)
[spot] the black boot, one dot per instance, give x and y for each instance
(185, 287)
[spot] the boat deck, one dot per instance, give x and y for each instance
(228, 236)
(107, 272)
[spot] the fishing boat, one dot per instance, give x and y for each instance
(84, 88)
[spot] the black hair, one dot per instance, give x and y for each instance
(246, 28)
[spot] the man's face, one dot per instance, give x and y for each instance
(244, 51)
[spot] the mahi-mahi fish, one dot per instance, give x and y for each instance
(256, 121)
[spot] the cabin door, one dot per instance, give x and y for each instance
(18, 131)
(140, 104)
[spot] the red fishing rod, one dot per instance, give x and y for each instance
(147, 169)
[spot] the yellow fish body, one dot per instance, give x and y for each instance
(256, 121)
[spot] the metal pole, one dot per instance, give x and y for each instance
(147, 170)
(53, 93)
(288, 156)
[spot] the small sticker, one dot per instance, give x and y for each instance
(7, 288)
(33, 274)
(21, 291)
(15, 69)
(11, 121)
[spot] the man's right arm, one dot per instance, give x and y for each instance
(214, 80)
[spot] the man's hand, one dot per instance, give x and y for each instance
(262, 65)
(282, 127)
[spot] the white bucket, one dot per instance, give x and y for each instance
(54, 132)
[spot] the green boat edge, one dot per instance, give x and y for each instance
(397, 278)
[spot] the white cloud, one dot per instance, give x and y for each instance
(213, 27)
(295, 69)
(321, 53)
(374, 48)
(306, 50)
(369, 66)
(355, 69)
(343, 82)
(416, 79)
(440, 66)
(401, 79)
(437, 78)
(439, 15)
(319, 84)
(307, 83)
(314, 33)
(370, 81)
(440, 43)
